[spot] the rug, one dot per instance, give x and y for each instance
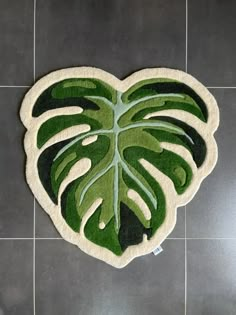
(111, 160)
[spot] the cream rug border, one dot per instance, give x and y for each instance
(173, 201)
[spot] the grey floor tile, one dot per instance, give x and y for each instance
(71, 282)
(212, 212)
(44, 226)
(16, 295)
(211, 277)
(179, 229)
(212, 41)
(16, 200)
(16, 38)
(117, 36)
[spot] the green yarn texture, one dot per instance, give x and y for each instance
(124, 135)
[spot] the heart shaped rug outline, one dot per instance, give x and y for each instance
(111, 160)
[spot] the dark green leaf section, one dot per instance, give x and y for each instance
(56, 124)
(48, 166)
(73, 92)
(158, 214)
(83, 87)
(95, 151)
(45, 163)
(188, 107)
(68, 206)
(106, 237)
(131, 229)
(131, 184)
(167, 162)
(43, 106)
(197, 146)
(157, 86)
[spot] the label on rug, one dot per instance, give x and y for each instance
(158, 250)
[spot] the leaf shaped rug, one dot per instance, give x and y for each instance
(110, 161)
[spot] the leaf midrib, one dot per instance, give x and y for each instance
(119, 109)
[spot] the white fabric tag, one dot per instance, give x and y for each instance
(158, 250)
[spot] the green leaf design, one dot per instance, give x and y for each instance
(102, 154)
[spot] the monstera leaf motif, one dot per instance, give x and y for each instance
(111, 160)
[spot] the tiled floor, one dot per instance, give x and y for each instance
(196, 272)
(87, 286)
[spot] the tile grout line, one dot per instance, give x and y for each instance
(202, 238)
(34, 39)
(29, 86)
(30, 238)
(34, 223)
(34, 257)
(221, 87)
(186, 36)
(185, 212)
(185, 263)
(168, 238)
(15, 86)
